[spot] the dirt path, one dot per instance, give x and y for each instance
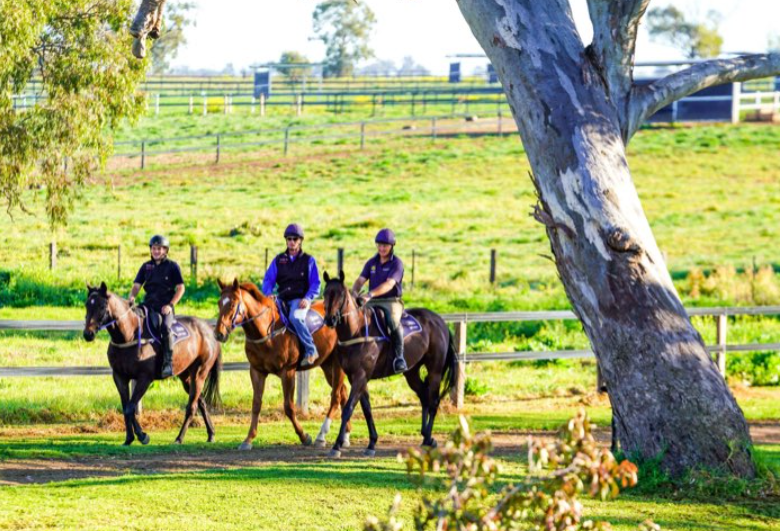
(31, 471)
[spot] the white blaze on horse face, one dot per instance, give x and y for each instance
(92, 302)
(225, 301)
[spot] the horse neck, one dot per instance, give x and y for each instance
(354, 321)
(258, 326)
(126, 326)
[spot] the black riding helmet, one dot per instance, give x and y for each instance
(162, 241)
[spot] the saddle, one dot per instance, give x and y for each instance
(314, 321)
(409, 324)
(152, 329)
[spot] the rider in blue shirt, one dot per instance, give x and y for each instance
(297, 281)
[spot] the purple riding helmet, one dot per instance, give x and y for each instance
(385, 236)
(294, 230)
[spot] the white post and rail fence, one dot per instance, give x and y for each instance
(460, 323)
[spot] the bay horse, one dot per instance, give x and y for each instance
(272, 349)
(197, 360)
(365, 356)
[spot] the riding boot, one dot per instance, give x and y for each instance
(167, 365)
(397, 339)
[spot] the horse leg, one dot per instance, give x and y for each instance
(206, 418)
(359, 382)
(418, 386)
(343, 397)
(197, 380)
(154, 33)
(258, 387)
(432, 384)
(123, 386)
(373, 436)
(288, 390)
(141, 386)
(328, 369)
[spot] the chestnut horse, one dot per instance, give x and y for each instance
(272, 349)
(365, 356)
(197, 360)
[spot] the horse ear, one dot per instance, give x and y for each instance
(103, 289)
(235, 283)
(220, 284)
(326, 276)
(90, 289)
(341, 275)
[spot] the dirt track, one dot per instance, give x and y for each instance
(30, 471)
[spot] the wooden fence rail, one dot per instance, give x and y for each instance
(460, 322)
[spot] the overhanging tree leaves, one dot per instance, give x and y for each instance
(576, 108)
(77, 53)
(344, 26)
(695, 39)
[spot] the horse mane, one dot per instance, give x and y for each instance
(253, 290)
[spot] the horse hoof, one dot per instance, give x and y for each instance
(139, 48)
(210, 439)
(127, 442)
(319, 443)
(177, 441)
(334, 454)
(430, 444)
(245, 446)
(154, 34)
(346, 444)
(307, 440)
(145, 439)
(368, 452)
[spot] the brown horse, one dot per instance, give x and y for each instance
(364, 356)
(197, 360)
(271, 349)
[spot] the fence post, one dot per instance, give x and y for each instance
(340, 259)
(252, 107)
(225, 104)
(205, 105)
(414, 259)
(433, 128)
(194, 264)
(192, 104)
(52, 255)
(299, 105)
(143, 154)
(720, 355)
(736, 93)
(266, 261)
(362, 135)
(302, 385)
(119, 262)
(500, 123)
(157, 104)
(286, 139)
(218, 149)
(458, 393)
(492, 266)
(262, 104)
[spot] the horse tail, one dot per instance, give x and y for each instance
(451, 369)
(211, 388)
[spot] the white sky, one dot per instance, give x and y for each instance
(244, 32)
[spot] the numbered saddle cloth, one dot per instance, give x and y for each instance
(153, 329)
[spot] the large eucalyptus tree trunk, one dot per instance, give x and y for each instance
(575, 109)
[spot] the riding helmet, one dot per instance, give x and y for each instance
(162, 241)
(294, 230)
(385, 236)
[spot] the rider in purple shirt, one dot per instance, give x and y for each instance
(297, 280)
(385, 273)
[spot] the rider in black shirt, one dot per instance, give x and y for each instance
(163, 287)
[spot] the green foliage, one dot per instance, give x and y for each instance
(463, 475)
(474, 387)
(754, 368)
(175, 18)
(695, 39)
(344, 27)
(294, 58)
(78, 50)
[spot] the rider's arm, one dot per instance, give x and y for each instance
(269, 280)
(359, 284)
(178, 295)
(382, 288)
(314, 281)
(134, 291)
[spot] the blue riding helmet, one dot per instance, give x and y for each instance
(294, 230)
(385, 236)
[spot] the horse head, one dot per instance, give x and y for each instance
(233, 309)
(98, 312)
(147, 21)
(336, 297)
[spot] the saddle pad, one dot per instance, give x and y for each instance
(314, 320)
(180, 331)
(153, 326)
(409, 324)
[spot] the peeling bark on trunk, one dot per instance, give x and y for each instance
(667, 395)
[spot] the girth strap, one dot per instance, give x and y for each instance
(272, 335)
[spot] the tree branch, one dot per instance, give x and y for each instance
(615, 26)
(648, 99)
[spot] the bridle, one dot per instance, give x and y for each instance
(241, 310)
(340, 315)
